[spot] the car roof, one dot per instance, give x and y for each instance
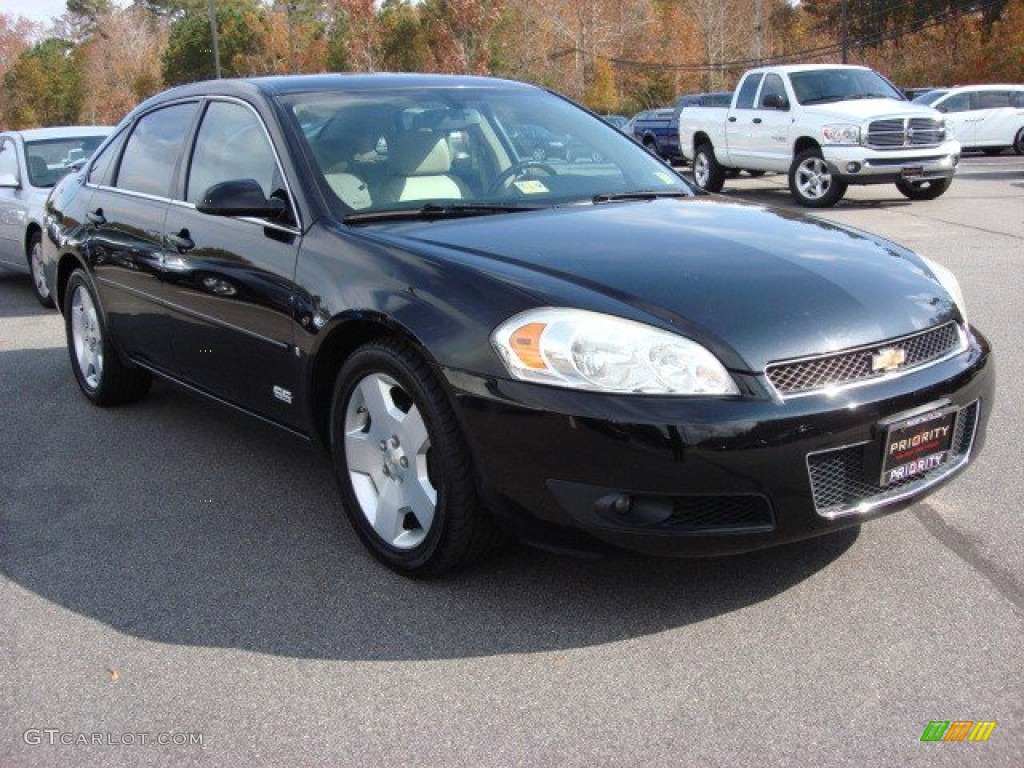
(279, 85)
(983, 87)
(63, 132)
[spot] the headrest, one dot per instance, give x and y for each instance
(419, 153)
(37, 166)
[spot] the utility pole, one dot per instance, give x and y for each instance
(213, 37)
(844, 32)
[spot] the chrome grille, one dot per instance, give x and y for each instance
(853, 366)
(840, 483)
(897, 133)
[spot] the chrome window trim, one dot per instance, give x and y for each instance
(203, 100)
(890, 376)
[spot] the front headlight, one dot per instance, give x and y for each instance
(949, 282)
(841, 134)
(578, 349)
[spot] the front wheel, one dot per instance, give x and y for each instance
(811, 182)
(35, 266)
(927, 189)
(1018, 142)
(101, 375)
(403, 469)
(707, 173)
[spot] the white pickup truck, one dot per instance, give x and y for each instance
(827, 126)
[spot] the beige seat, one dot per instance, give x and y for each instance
(350, 189)
(420, 169)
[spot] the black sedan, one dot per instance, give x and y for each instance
(580, 354)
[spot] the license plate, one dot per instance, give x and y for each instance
(912, 172)
(917, 445)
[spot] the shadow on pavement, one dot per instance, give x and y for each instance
(177, 521)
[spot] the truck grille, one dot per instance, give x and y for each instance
(800, 377)
(840, 482)
(902, 132)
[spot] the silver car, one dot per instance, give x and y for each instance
(31, 162)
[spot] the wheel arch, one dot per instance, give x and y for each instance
(344, 337)
(32, 229)
(804, 143)
(67, 264)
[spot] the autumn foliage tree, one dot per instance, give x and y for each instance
(100, 57)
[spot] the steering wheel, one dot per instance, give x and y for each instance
(515, 170)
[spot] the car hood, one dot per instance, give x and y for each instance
(871, 109)
(754, 284)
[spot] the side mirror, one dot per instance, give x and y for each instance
(240, 197)
(775, 101)
(9, 181)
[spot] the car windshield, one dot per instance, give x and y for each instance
(49, 159)
(930, 98)
(821, 86)
(468, 151)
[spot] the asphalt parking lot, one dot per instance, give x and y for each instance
(178, 587)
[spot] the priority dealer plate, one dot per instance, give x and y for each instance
(916, 445)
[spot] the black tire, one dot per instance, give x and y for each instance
(418, 513)
(1018, 142)
(811, 183)
(101, 375)
(35, 268)
(928, 189)
(708, 174)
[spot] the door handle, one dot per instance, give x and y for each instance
(757, 121)
(732, 119)
(96, 217)
(182, 241)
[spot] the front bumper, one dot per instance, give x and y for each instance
(692, 477)
(862, 165)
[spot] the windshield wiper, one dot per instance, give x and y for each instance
(644, 194)
(436, 211)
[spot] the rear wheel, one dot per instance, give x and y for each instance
(927, 189)
(101, 375)
(707, 173)
(403, 468)
(1018, 142)
(811, 183)
(35, 265)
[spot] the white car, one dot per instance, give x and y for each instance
(985, 117)
(31, 162)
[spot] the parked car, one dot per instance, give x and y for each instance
(31, 162)
(985, 117)
(828, 126)
(579, 354)
(540, 143)
(658, 129)
(619, 121)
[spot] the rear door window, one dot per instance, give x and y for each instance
(151, 155)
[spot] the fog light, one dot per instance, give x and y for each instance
(853, 167)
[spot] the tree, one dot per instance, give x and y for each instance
(403, 40)
(188, 57)
(121, 63)
(352, 36)
(44, 86)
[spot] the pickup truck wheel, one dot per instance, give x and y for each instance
(923, 190)
(811, 182)
(707, 173)
(1018, 142)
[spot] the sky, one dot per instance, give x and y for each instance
(43, 11)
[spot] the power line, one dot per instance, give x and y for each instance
(830, 49)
